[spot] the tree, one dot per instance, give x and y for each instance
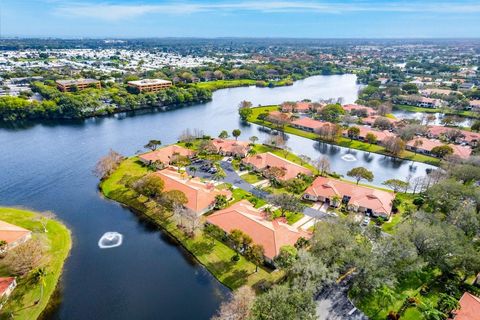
(236, 133)
(40, 276)
(287, 202)
(331, 112)
(220, 201)
(240, 240)
(150, 185)
(353, 132)
(304, 159)
(43, 218)
(253, 139)
(417, 143)
(173, 198)
(244, 109)
(223, 134)
(394, 145)
(396, 184)
(238, 306)
(309, 274)
(447, 303)
(282, 302)
(322, 164)
(430, 312)
(385, 296)
(476, 126)
(442, 151)
(383, 123)
(153, 145)
(371, 138)
(274, 173)
(23, 258)
(219, 175)
(360, 173)
(410, 88)
(286, 257)
(108, 164)
(255, 254)
(193, 169)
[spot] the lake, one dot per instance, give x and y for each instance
(49, 166)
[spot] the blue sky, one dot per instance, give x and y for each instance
(241, 18)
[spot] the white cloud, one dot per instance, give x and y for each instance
(111, 11)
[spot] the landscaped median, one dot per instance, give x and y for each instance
(27, 301)
(213, 254)
(341, 141)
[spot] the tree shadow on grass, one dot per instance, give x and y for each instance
(202, 248)
(237, 278)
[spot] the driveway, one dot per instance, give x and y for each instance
(234, 179)
(333, 304)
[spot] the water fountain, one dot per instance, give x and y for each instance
(110, 240)
(349, 157)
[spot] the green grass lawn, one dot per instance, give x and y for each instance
(214, 255)
(222, 84)
(341, 141)
(57, 241)
(252, 178)
(240, 194)
(406, 200)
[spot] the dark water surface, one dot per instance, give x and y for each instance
(49, 167)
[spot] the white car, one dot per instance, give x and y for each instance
(366, 221)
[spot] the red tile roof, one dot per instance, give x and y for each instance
(350, 107)
(381, 135)
(266, 160)
(378, 200)
(12, 233)
(469, 136)
(200, 195)
(309, 123)
(272, 235)
(5, 283)
(231, 146)
(429, 144)
(469, 308)
(165, 154)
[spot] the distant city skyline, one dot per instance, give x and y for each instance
(241, 18)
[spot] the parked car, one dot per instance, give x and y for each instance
(366, 221)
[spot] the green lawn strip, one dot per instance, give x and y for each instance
(240, 194)
(57, 242)
(463, 113)
(214, 255)
(260, 148)
(342, 141)
(223, 84)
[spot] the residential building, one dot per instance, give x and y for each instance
(357, 198)
(150, 85)
(436, 91)
(200, 195)
(426, 145)
(419, 101)
(370, 120)
(297, 107)
(7, 285)
(77, 84)
(279, 117)
(308, 124)
(232, 147)
(474, 105)
(271, 234)
(463, 136)
(263, 161)
(355, 107)
(362, 136)
(469, 308)
(13, 235)
(164, 156)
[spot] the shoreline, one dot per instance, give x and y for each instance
(343, 142)
(217, 261)
(59, 239)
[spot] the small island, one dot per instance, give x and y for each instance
(33, 248)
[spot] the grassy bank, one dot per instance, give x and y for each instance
(213, 254)
(223, 84)
(57, 242)
(342, 141)
(462, 113)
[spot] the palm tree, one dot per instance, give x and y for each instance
(430, 311)
(193, 169)
(40, 276)
(386, 297)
